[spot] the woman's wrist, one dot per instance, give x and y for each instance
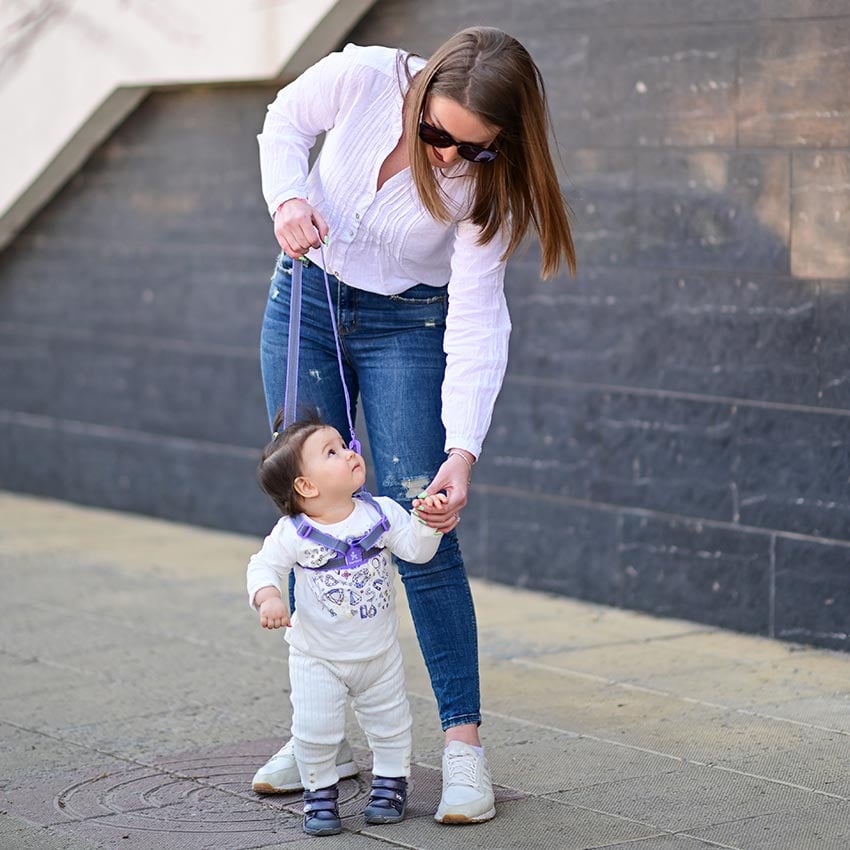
(467, 457)
(282, 204)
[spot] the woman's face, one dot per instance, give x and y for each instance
(458, 122)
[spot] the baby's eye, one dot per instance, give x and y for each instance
(331, 452)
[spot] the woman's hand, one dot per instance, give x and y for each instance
(299, 227)
(453, 479)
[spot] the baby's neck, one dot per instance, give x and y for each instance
(331, 512)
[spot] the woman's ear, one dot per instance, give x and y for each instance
(305, 488)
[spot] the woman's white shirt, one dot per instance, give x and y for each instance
(384, 241)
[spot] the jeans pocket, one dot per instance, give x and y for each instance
(421, 295)
(422, 304)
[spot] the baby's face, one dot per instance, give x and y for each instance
(335, 469)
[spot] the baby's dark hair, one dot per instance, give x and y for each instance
(280, 463)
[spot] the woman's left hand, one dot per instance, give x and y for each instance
(453, 479)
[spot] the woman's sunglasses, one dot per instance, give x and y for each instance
(440, 139)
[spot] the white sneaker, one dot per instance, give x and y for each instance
(280, 773)
(467, 787)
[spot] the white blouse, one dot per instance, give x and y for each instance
(385, 241)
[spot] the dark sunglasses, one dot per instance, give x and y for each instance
(440, 139)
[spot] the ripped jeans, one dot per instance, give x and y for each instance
(392, 350)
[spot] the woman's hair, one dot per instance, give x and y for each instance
(491, 74)
(280, 463)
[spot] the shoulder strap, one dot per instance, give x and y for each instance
(371, 537)
(353, 551)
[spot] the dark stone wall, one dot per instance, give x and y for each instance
(672, 434)
(129, 320)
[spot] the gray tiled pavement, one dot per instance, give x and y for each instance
(137, 696)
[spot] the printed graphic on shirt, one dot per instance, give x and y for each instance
(354, 592)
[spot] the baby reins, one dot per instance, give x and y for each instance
(290, 399)
(352, 552)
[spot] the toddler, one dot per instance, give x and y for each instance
(343, 634)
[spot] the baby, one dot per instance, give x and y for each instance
(343, 634)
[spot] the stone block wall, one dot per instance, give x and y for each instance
(129, 320)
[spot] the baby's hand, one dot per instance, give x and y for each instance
(433, 502)
(274, 613)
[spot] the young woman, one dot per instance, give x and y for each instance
(431, 174)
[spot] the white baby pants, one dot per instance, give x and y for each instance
(320, 689)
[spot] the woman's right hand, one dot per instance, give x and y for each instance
(298, 227)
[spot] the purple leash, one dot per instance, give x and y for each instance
(290, 397)
(294, 343)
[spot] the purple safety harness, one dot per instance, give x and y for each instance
(353, 551)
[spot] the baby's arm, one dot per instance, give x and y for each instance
(409, 538)
(274, 612)
(266, 568)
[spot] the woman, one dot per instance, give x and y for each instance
(430, 176)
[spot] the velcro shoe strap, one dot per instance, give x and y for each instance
(389, 782)
(311, 806)
(380, 794)
(321, 800)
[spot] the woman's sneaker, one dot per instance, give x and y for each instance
(321, 811)
(387, 800)
(467, 788)
(279, 774)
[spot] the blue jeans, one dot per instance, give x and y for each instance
(392, 350)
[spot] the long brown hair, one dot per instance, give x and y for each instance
(492, 75)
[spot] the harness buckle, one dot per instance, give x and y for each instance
(355, 556)
(303, 529)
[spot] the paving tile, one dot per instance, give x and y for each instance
(16, 835)
(694, 674)
(824, 825)
(352, 841)
(563, 763)
(628, 715)
(81, 703)
(664, 842)
(827, 711)
(31, 677)
(688, 798)
(790, 752)
(178, 727)
(25, 754)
